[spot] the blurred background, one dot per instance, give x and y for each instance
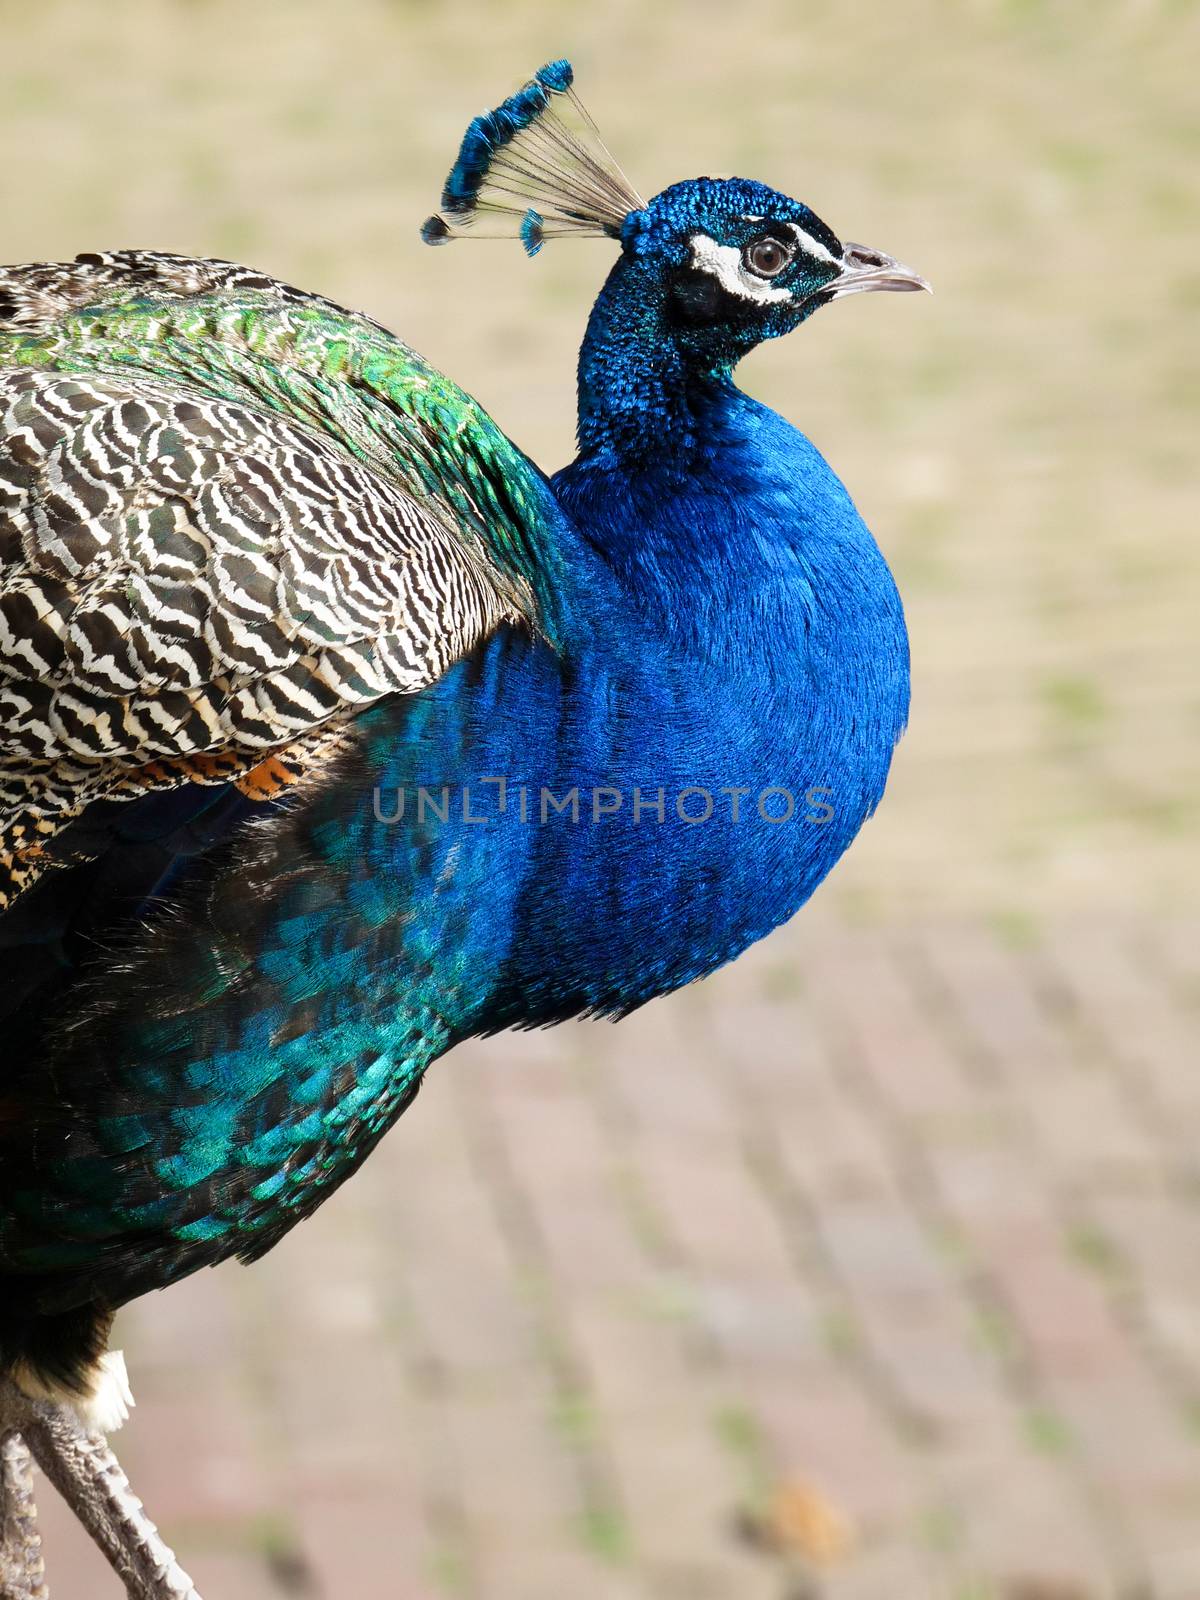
(868, 1268)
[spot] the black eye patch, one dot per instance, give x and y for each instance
(697, 296)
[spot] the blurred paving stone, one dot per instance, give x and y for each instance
(827, 1430)
(893, 1570)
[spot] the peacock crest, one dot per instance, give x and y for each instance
(537, 163)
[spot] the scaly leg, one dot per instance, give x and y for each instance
(22, 1576)
(87, 1474)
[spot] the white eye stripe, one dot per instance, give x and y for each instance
(724, 262)
(813, 247)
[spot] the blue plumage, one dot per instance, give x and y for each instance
(489, 133)
(644, 764)
(532, 232)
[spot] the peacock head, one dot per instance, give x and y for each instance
(719, 263)
(741, 262)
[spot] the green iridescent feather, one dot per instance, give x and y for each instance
(344, 376)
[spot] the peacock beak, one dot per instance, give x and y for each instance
(863, 269)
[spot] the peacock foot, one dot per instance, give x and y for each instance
(83, 1468)
(22, 1576)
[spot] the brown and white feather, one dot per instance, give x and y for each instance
(190, 586)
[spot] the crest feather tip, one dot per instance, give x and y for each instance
(557, 76)
(532, 233)
(435, 230)
(537, 163)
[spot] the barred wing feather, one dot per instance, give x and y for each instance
(231, 516)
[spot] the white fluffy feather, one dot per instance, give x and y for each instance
(103, 1408)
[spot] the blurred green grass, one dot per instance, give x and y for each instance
(1024, 445)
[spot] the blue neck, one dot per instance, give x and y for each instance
(639, 390)
(720, 520)
(731, 539)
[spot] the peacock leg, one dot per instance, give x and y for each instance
(87, 1474)
(22, 1576)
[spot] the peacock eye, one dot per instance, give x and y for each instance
(767, 257)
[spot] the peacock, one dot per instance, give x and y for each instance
(336, 732)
